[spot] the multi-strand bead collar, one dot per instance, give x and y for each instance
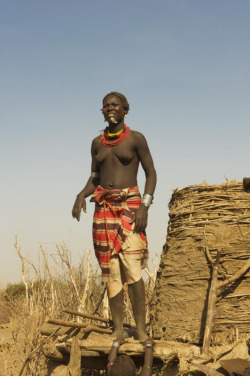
(113, 139)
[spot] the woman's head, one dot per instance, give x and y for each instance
(123, 366)
(121, 97)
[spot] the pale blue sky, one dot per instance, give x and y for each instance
(184, 67)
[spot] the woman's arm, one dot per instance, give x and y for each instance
(92, 183)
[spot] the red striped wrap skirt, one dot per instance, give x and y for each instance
(114, 210)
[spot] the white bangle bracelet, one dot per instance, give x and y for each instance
(95, 174)
(147, 199)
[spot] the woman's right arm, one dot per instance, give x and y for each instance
(92, 183)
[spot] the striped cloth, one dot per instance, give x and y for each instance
(114, 210)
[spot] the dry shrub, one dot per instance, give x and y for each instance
(44, 294)
(41, 296)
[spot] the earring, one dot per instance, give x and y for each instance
(125, 115)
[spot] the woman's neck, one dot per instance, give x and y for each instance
(113, 128)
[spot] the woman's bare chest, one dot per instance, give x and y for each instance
(122, 153)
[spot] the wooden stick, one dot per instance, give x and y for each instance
(207, 249)
(100, 301)
(87, 316)
(74, 367)
(88, 327)
(95, 317)
(236, 275)
(213, 293)
(36, 349)
(211, 305)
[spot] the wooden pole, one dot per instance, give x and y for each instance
(74, 367)
(86, 326)
(211, 305)
(213, 294)
(95, 317)
(86, 315)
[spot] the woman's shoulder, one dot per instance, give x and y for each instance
(138, 136)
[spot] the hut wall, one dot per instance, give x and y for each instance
(216, 216)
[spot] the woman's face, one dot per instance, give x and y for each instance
(113, 110)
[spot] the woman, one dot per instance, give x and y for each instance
(120, 217)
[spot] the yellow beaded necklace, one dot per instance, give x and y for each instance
(114, 134)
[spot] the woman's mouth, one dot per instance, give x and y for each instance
(112, 119)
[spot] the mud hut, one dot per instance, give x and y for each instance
(206, 223)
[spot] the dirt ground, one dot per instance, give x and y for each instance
(12, 358)
(10, 362)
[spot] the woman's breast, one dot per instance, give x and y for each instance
(111, 156)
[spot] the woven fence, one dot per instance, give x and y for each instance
(204, 218)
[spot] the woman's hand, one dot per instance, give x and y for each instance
(140, 219)
(80, 204)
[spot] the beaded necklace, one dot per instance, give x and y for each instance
(108, 138)
(114, 134)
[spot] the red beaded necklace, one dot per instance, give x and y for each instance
(109, 141)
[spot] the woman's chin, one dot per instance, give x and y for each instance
(112, 120)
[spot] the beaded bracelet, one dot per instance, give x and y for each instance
(109, 364)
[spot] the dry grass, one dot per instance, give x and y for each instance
(45, 295)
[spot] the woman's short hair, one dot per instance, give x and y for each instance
(123, 366)
(121, 97)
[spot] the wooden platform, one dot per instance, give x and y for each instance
(73, 347)
(93, 348)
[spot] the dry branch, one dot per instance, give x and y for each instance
(87, 283)
(236, 275)
(32, 353)
(74, 367)
(213, 294)
(95, 317)
(86, 326)
(100, 300)
(211, 305)
(18, 249)
(87, 316)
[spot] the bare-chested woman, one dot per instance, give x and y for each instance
(120, 217)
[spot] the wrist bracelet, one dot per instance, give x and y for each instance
(109, 364)
(147, 199)
(116, 344)
(146, 366)
(95, 174)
